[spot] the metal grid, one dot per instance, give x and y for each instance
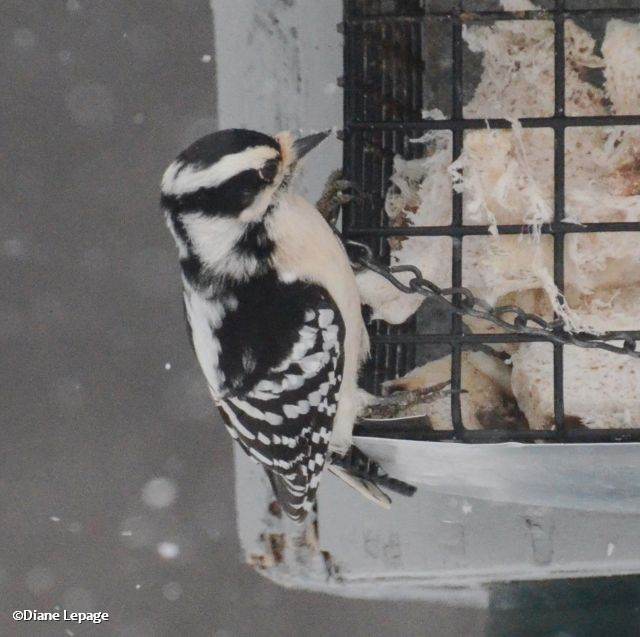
(382, 110)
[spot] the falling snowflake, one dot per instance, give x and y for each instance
(168, 550)
(159, 493)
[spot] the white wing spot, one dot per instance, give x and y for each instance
(325, 318)
(290, 411)
(330, 338)
(313, 364)
(308, 333)
(331, 332)
(253, 412)
(292, 381)
(306, 342)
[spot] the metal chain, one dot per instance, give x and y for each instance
(463, 302)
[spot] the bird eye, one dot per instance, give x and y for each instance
(269, 171)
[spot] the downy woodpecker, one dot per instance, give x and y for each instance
(271, 303)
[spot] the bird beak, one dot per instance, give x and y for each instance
(303, 145)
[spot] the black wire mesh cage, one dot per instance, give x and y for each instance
(403, 60)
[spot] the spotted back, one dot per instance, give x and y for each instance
(285, 420)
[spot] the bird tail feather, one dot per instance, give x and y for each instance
(296, 501)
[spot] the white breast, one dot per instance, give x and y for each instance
(205, 316)
(308, 250)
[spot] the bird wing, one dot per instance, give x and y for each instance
(285, 420)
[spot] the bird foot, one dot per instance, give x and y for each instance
(367, 476)
(337, 193)
(394, 403)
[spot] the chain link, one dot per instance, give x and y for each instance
(463, 302)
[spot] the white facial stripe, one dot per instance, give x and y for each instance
(178, 182)
(259, 206)
(213, 238)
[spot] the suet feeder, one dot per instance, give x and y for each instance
(418, 83)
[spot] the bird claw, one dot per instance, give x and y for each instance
(369, 474)
(366, 488)
(337, 193)
(342, 185)
(393, 403)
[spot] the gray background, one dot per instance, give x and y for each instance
(96, 97)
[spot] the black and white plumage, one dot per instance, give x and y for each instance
(285, 420)
(271, 303)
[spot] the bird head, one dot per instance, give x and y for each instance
(234, 173)
(218, 191)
